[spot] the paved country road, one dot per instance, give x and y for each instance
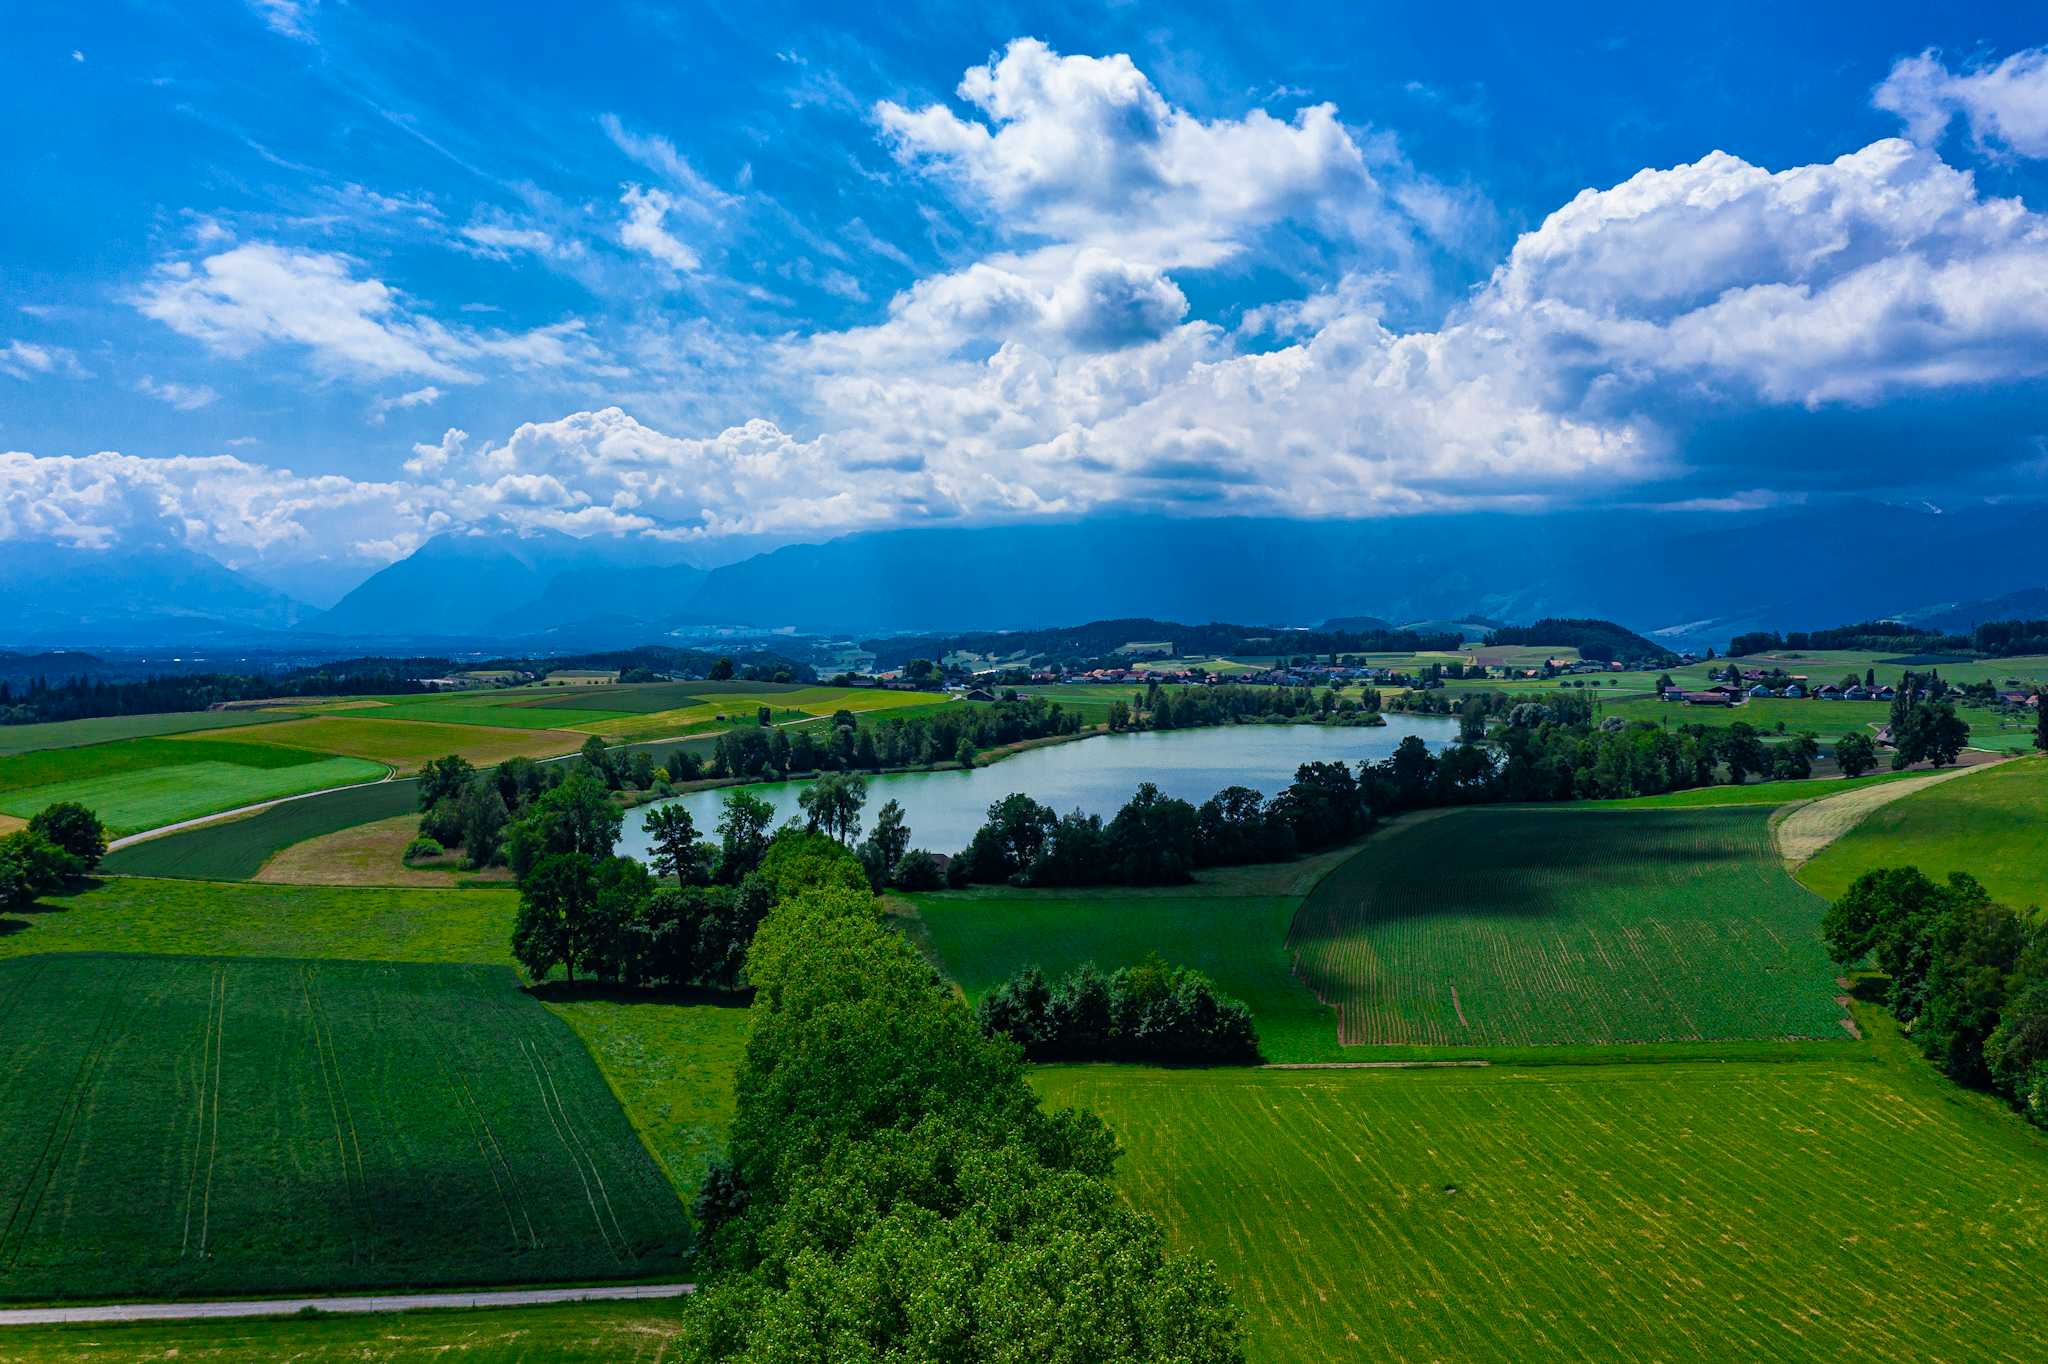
(384, 1302)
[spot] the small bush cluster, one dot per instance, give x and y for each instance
(1152, 1012)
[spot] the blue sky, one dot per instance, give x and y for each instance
(302, 284)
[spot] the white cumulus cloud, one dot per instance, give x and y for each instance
(2005, 105)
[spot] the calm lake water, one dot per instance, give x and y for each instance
(1095, 775)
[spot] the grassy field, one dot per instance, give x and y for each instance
(984, 937)
(212, 1126)
(1749, 793)
(1232, 924)
(78, 733)
(1846, 1208)
(136, 784)
(1830, 720)
(407, 745)
(235, 850)
(1532, 926)
(1991, 824)
(670, 1064)
(135, 914)
(580, 1333)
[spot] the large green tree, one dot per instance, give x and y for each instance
(577, 816)
(673, 835)
(74, 829)
(832, 804)
(743, 822)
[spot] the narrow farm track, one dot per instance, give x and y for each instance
(1801, 831)
(390, 773)
(382, 1302)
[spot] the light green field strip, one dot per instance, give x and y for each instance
(243, 919)
(1793, 1212)
(130, 801)
(1992, 823)
(1804, 830)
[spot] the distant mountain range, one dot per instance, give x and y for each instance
(1684, 579)
(1959, 618)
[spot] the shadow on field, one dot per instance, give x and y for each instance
(8, 927)
(585, 991)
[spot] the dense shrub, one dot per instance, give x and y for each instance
(1152, 1012)
(1969, 976)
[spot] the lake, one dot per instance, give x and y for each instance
(1096, 775)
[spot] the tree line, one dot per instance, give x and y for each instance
(1152, 1013)
(892, 1188)
(1967, 977)
(1992, 638)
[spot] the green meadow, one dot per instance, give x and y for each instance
(215, 1126)
(1990, 824)
(1850, 1207)
(249, 919)
(137, 784)
(1530, 927)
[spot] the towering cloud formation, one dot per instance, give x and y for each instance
(1066, 370)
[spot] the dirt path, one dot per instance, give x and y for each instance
(385, 1302)
(1801, 831)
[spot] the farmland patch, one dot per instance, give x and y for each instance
(1576, 926)
(408, 744)
(236, 849)
(229, 1126)
(1802, 1211)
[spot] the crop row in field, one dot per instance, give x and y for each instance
(1528, 926)
(235, 850)
(1986, 823)
(208, 1125)
(1797, 1211)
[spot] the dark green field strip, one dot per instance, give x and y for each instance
(237, 849)
(209, 1126)
(46, 767)
(1814, 1212)
(1518, 927)
(78, 733)
(636, 699)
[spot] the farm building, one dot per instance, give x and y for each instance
(1708, 698)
